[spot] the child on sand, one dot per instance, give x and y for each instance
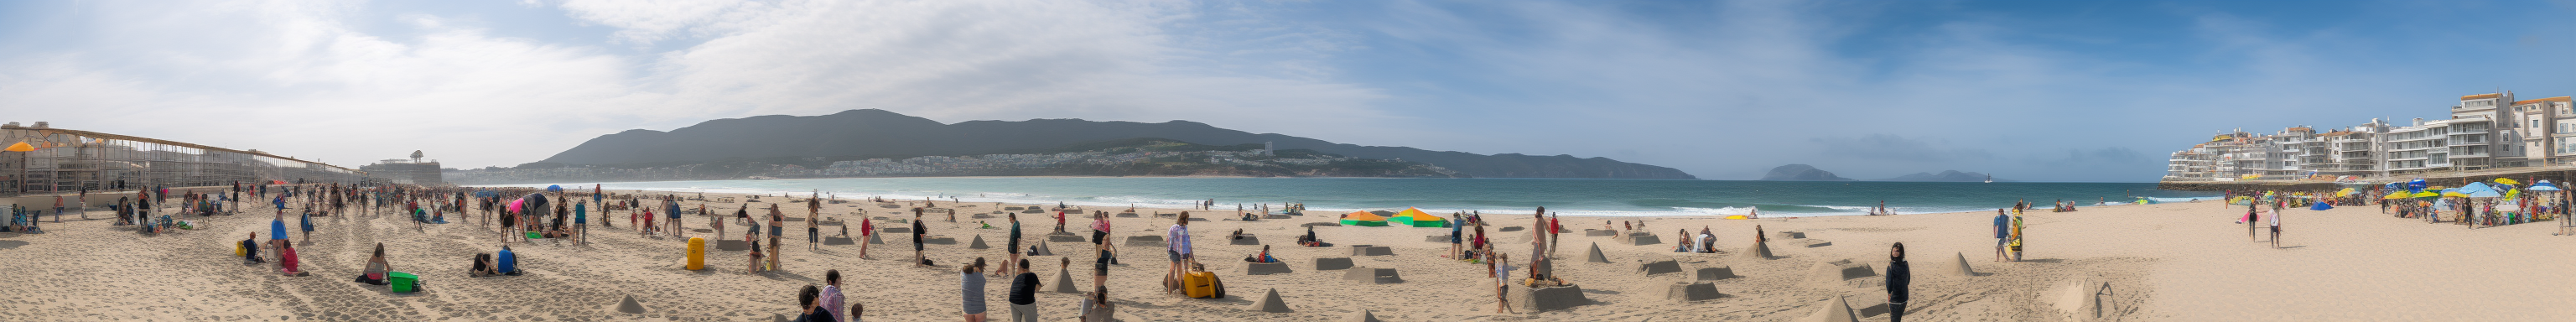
(1502, 282)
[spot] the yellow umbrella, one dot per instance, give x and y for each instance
(2506, 181)
(2454, 194)
(2426, 194)
(2397, 195)
(2345, 192)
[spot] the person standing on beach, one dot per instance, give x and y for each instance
(1456, 241)
(581, 223)
(1502, 281)
(867, 232)
(1178, 246)
(1899, 275)
(2002, 235)
(971, 284)
(1023, 294)
(2276, 229)
(813, 220)
(776, 230)
(1014, 250)
(918, 230)
(830, 299)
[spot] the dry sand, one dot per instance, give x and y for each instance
(2165, 262)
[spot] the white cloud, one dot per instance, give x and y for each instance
(296, 79)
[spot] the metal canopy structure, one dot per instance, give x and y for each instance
(72, 160)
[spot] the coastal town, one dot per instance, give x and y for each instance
(2484, 134)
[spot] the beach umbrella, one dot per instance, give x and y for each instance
(2507, 181)
(2345, 192)
(2544, 186)
(2396, 195)
(2484, 194)
(2320, 206)
(554, 188)
(21, 147)
(2415, 186)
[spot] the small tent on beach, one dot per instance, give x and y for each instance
(1363, 218)
(1413, 217)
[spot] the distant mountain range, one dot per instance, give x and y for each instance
(1802, 172)
(1944, 176)
(872, 133)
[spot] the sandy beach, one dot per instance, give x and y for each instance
(2162, 262)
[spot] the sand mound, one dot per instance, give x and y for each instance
(1599, 233)
(1362, 316)
(731, 245)
(1145, 241)
(2082, 299)
(1812, 243)
(1788, 235)
(628, 305)
(1247, 239)
(1513, 228)
(1834, 310)
(1594, 255)
(978, 243)
(831, 241)
(1436, 238)
(939, 240)
(873, 240)
(1270, 303)
(1064, 238)
(1332, 263)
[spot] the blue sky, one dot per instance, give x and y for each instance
(2030, 90)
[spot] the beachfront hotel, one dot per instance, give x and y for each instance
(2484, 132)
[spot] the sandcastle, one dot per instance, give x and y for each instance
(2082, 299)
(1594, 255)
(1265, 268)
(1689, 292)
(1838, 271)
(1757, 251)
(1599, 233)
(1040, 250)
(1270, 303)
(1362, 316)
(1716, 273)
(1246, 239)
(838, 241)
(1813, 243)
(1513, 228)
(1145, 241)
(1788, 235)
(1371, 250)
(938, 240)
(1660, 267)
(629, 306)
(895, 230)
(1064, 281)
(1373, 275)
(1834, 310)
(978, 243)
(1642, 238)
(1332, 263)
(1064, 237)
(1959, 266)
(1534, 300)
(732, 245)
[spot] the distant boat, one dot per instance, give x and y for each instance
(763, 178)
(1990, 178)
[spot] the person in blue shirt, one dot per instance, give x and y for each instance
(2003, 233)
(277, 229)
(508, 261)
(581, 221)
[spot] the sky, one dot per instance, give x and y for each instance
(2077, 91)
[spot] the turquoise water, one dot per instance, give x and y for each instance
(1566, 196)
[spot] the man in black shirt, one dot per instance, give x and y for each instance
(1024, 291)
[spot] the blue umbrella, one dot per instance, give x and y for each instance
(554, 188)
(2320, 206)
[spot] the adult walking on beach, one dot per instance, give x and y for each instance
(971, 284)
(1023, 294)
(2002, 235)
(1899, 275)
(1178, 247)
(867, 232)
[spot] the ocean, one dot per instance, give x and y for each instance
(1581, 197)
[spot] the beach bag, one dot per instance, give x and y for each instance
(401, 282)
(1202, 285)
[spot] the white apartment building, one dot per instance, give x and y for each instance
(2483, 131)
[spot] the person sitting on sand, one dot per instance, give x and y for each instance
(287, 261)
(508, 262)
(755, 252)
(1310, 240)
(1261, 257)
(376, 267)
(1682, 243)
(1096, 306)
(483, 266)
(250, 250)
(1236, 235)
